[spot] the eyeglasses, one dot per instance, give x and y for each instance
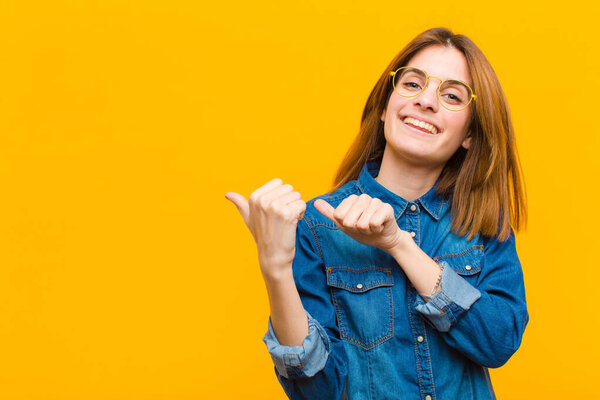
(454, 95)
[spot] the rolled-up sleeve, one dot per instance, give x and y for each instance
(453, 299)
(484, 319)
(299, 361)
(318, 368)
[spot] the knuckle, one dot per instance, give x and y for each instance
(275, 205)
(363, 226)
(262, 203)
(286, 213)
(347, 223)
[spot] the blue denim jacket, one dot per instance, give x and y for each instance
(372, 335)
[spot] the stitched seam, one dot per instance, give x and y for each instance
(327, 226)
(462, 253)
(391, 312)
(415, 342)
(365, 288)
(459, 270)
(346, 336)
(333, 282)
(439, 210)
(429, 360)
(372, 267)
(338, 312)
(316, 239)
(419, 229)
(360, 187)
(297, 357)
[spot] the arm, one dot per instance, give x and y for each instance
(288, 319)
(317, 369)
(485, 322)
(310, 360)
(271, 214)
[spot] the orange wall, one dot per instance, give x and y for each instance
(124, 272)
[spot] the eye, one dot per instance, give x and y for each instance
(453, 98)
(411, 85)
(454, 92)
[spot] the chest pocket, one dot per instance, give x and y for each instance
(363, 304)
(466, 263)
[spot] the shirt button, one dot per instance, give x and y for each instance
(420, 339)
(428, 397)
(468, 267)
(359, 286)
(413, 234)
(413, 207)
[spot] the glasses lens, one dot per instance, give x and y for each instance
(455, 95)
(409, 82)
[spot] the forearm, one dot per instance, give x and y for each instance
(288, 316)
(419, 268)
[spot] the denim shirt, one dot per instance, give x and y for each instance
(372, 335)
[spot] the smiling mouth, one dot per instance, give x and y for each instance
(421, 125)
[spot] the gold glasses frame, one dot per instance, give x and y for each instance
(473, 96)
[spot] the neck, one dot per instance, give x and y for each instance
(404, 178)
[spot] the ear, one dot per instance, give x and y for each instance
(382, 117)
(467, 142)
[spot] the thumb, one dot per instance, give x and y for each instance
(325, 208)
(241, 203)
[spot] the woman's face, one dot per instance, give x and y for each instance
(413, 143)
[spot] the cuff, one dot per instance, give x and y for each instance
(453, 299)
(299, 361)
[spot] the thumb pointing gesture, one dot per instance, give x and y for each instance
(271, 214)
(242, 205)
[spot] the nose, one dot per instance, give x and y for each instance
(428, 98)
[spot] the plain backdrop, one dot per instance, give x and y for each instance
(126, 274)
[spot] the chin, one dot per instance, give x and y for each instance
(415, 156)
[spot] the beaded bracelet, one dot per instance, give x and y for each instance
(439, 280)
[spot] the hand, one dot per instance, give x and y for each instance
(271, 213)
(367, 220)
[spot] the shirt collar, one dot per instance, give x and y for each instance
(430, 201)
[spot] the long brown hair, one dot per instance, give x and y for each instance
(484, 183)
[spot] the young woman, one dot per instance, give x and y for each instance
(403, 282)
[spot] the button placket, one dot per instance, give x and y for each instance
(413, 221)
(419, 329)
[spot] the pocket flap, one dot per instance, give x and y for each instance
(359, 280)
(467, 262)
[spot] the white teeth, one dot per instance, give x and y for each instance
(421, 124)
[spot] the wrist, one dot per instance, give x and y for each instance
(403, 245)
(276, 275)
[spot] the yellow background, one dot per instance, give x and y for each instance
(126, 274)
